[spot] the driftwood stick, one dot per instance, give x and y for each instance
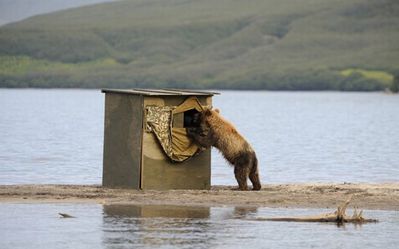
(339, 216)
(63, 215)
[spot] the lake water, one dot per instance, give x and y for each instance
(96, 226)
(56, 136)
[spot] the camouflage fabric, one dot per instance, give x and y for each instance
(159, 121)
(174, 141)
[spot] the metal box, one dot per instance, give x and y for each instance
(133, 157)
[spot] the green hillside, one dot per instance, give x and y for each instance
(253, 44)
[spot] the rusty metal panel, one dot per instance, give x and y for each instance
(158, 172)
(122, 140)
(162, 175)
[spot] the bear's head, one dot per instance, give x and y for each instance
(202, 121)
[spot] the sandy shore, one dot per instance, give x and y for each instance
(366, 196)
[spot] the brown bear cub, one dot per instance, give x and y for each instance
(213, 130)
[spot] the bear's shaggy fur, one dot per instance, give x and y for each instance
(213, 130)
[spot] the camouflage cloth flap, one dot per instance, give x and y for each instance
(174, 141)
(159, 121)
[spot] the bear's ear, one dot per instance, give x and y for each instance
(216, 110)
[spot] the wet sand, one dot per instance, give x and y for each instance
(365, 196)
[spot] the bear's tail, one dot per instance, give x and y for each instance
(254, 174)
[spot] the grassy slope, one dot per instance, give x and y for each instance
(273, 44)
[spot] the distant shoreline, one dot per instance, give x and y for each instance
(383, 196)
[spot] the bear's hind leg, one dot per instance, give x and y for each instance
(241, 174)
(254, 174)
(254, 177)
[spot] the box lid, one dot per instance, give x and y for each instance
(160, 92)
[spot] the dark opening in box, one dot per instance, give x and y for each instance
(191, 118)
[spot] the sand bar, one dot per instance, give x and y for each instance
(318, 195)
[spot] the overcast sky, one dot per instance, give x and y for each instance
(15, 10)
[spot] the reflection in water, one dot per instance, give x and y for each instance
(151, 225)
(152, 211)
(38, 226)
(129, 226)
(244, 212)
